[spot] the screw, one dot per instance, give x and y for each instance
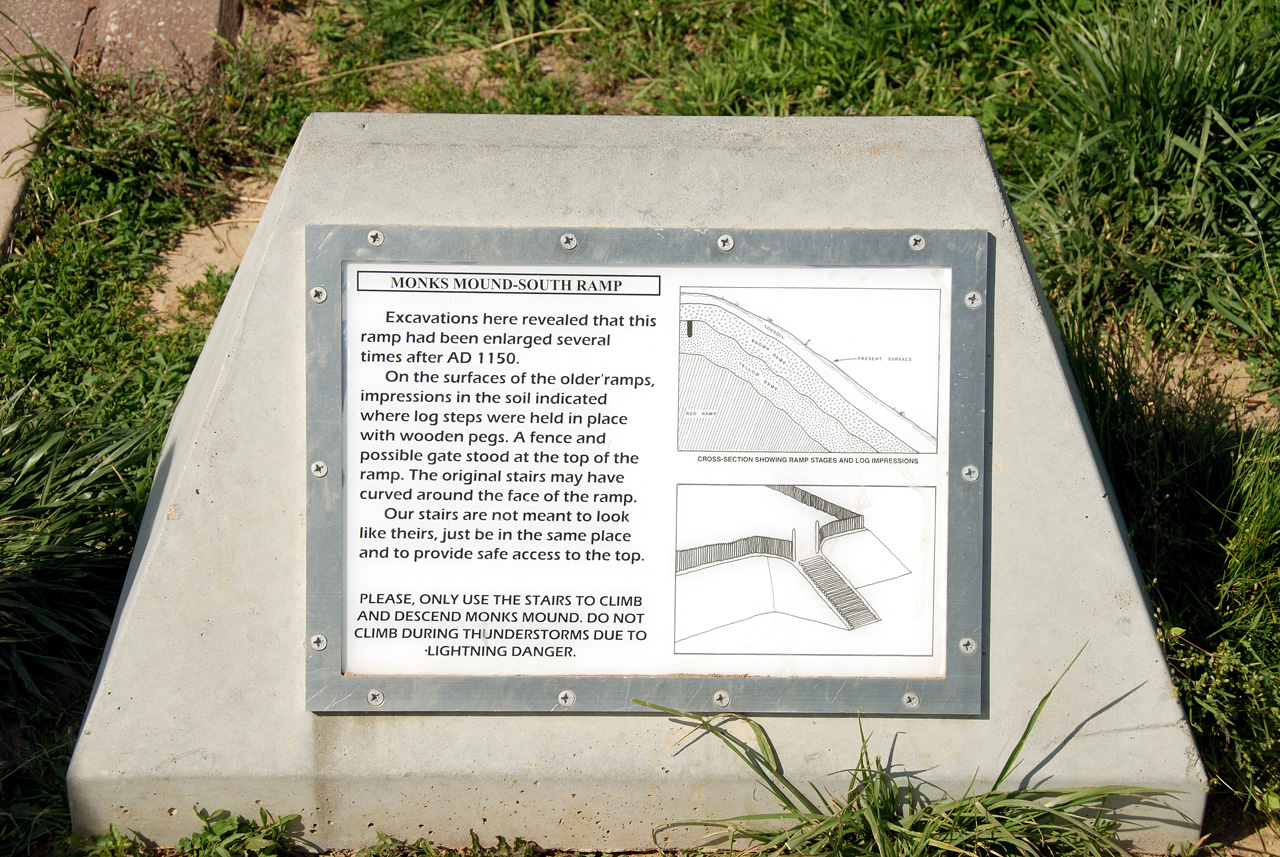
(318, 642)
(968, 645)
(375, 697)
(911, 699)
(969, 473)
(721, 699)
(568, 241)
(916, 242)
(567, 698)
(319, 469)
(318, 295)
(725, 243)
(376, 238)
(973, 300)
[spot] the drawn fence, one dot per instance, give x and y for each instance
(723, 551)
(845, 525)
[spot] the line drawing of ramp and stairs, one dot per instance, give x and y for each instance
(835, 590)
(795, 570)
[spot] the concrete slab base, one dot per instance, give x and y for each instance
(200, 699)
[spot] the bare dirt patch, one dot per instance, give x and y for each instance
(617, 101)
(221, 245)
(291, 29)
(1232, 834)
(1231, 378)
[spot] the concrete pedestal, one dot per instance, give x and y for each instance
(201, 696)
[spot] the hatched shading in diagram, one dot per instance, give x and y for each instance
(748, 384)
(806, 577)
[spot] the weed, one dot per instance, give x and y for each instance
(878, 816)
(113, 843)
(122, 169)
(72, 491)
(389, 846)
(503, 848)
(516, 89)
(228, 835)
(203, 298)
(356, 33)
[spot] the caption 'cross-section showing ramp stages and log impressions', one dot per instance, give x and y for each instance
(804, 570)
(749, 383)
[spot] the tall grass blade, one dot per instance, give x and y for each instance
(1016, 754)
(879, 817)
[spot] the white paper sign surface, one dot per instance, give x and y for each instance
(645, 471)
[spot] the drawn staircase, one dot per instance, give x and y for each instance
(832, 586)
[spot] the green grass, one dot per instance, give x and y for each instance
(883, 815)
(1160, 191)
(88, 378)
(223, 834)
(1139, 143)
(124, 168)
(1201, 497)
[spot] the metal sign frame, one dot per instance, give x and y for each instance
(969, 255)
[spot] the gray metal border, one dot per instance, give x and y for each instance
(969, 255)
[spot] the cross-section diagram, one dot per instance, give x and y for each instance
(748, 384)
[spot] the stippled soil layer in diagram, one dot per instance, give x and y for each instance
(747, 384)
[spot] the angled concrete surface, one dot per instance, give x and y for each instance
(201, 697)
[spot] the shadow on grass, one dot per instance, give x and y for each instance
(1201, 499)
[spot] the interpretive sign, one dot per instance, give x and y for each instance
(559, 469)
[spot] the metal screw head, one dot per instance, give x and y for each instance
(319, 642)
(567, 698)
(568, 241)
(973, 300)
(916, 242)
(375, 697)
(375, 238)
(968, 645)
(319, 295)
(721, 698)
(969, 473)
(319, 469)
(911, 699)
(725, 243)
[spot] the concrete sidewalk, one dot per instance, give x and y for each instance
(109, 36)
(121, 35)
(17, 125)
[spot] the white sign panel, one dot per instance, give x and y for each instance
(645, 470)
(578, 469)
